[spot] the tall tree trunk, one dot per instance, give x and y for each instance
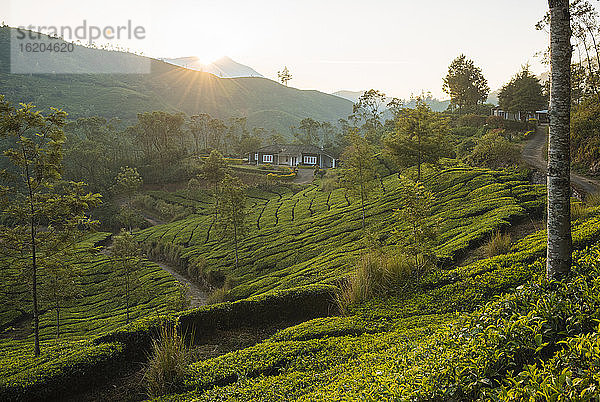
(216, 201)
(57, 307)
(558, 260)
(36, 317)
(236, 245)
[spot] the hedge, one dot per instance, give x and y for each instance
(86, 365)
(293, 304)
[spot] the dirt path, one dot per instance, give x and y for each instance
(304, 176)
(197, 296)
(533, 155)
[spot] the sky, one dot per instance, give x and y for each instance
(396, 46)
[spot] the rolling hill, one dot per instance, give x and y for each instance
(167, 87)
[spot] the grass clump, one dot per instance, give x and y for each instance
(498, 244)
(376, 273)
(167, 364)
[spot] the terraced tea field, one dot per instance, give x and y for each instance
(100, 307)
(314, 236)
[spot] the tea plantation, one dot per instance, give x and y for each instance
(98, 308)
(314, 236)
(489, 329)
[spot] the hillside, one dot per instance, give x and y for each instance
(167, 87)
(465, 331)
(313, 236)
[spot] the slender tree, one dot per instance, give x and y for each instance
(358, 172)
(213, 171)
(558, 261)
(415, 213)
(419, 137)
(44, 216)
(127, 262)
(233, 210)
(284, 76)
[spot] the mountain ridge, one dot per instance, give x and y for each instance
(166, 87)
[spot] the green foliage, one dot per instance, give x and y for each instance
(585, 143)
(523, 93)
(418, 137)
(128, 182)
(312, 236)
(59, 369)
(43, 217)
(465, 83)
(358, 172)
(494, 151)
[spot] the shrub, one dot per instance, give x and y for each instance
(494, 151)
(376, 273)
(498, 244)
(166, 366)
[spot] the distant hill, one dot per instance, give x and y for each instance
(435, 104)
(167, 87)
(224, 67)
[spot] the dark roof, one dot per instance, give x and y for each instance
(291, 149)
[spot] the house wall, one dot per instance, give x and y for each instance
(322, 160)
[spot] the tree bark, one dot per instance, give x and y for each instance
(558, 261)
(36, 318)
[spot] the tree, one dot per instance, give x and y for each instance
(160, 135)
(369, 110)
(198, 127)
(284, 76)
(128, 182)
(465, 84)
(43, 216)
(558, 256)
(127, 263)
(523, 93)
(358, 171)
(416, 214)
(309, 132)
(419, 137)
(61, 286)
(233, 210)
(494, 151)
(213, 171)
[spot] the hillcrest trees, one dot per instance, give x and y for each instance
(523, 93)
(465, 84)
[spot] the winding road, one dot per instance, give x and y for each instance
(533, 155)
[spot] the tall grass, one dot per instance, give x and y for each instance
(376, 273)
(498, 244)
(168, 361)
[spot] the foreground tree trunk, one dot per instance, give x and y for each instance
(558, 255)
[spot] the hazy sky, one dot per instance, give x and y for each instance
(397, 46)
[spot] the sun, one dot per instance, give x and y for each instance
(208, 56)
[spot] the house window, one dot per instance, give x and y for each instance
(267, 158)
(310, 160)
